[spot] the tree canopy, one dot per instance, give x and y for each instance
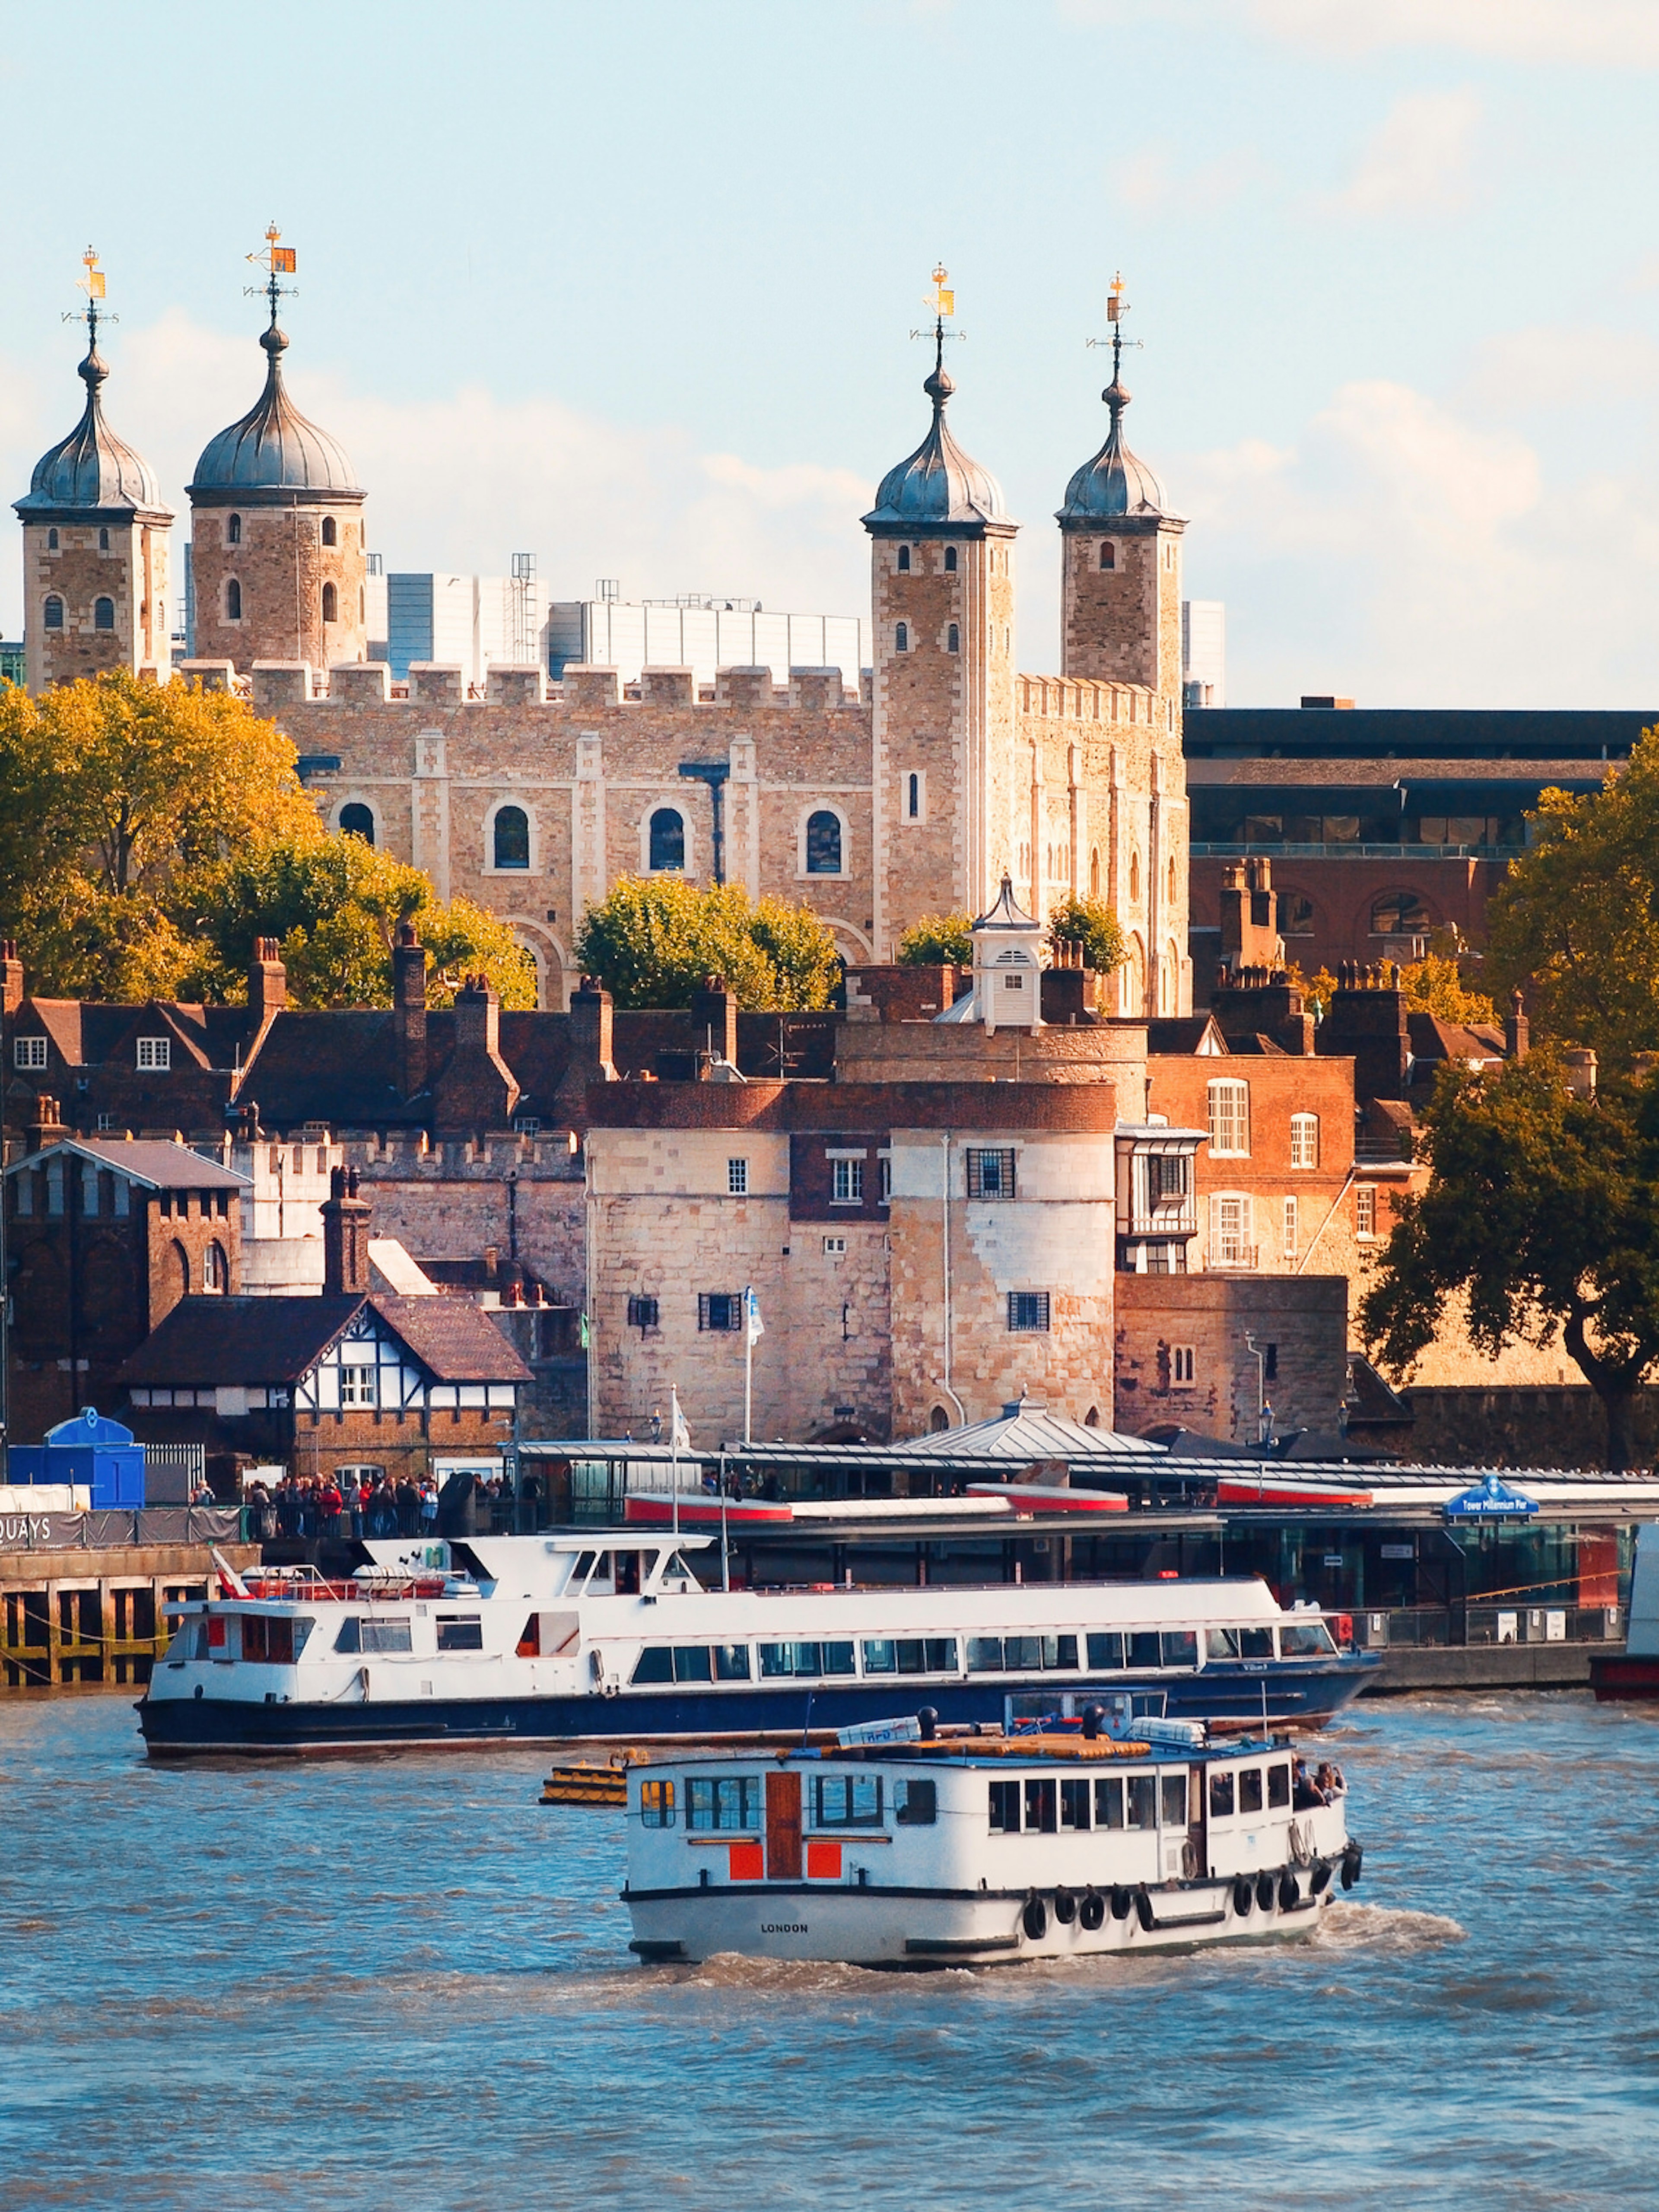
(1091, 924)
(1577, 916)
(938, 940)
(1435, 985)
(654, 940)
(1543, 1209)
(149, 833)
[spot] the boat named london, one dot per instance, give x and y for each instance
(609, 1637)
(969, 1849)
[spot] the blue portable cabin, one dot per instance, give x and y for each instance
(88, 1448)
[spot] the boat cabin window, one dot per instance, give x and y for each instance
(732, 1662)
(1180, 1647)
(723, 1800)
(189, 1642)
(1019, 1655)
(625, 1573)
(1106, 1651)
(1221, 1796)
(1004, 1808)
(915, 1804)
(809, 1658)
(1255, 1643)
(1221, 1643)
(275, 1639)
(848, 1800)
(461, 1632)
(1175, 1799)
(910, 1655)
(1040, 1806)
(363, 1632)
(1074, 1802)
(657, 1804)
(1278, 1785)
(1108, 1801)
(1144, 1648)
(1141, 1790)
(1304, 1639)
(1250, 1790)
(693, 1662)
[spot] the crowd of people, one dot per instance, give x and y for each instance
(369, 1502)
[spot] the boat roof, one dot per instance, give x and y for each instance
(1068, 1756)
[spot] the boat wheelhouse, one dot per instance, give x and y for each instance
(611, 1638)
(981, 1850)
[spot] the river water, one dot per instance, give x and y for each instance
(404, 1983)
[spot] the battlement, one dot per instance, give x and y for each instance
(1075, 699)
(581, 691)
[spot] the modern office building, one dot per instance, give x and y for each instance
(1204, 653)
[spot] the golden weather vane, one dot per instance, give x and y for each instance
(942, 300)
(1116, 307)
(278, 260)
(92, 284)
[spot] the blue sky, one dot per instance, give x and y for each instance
(631, 286)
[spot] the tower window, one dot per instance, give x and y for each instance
(103, 541)
(331, 604)
(912, 796)
(1094, 872)
(51, 541)
(1108, 555)
(953, 639)
(1134, 879)
(358, 820)
(53, 612)
(511, 840)
(668, 840)
(233, 601)
(103, 614)
(331, 530)
(362, 604)
(904, 558)
(950, 560)
(901, 638)
(823, 843)
(234, 530)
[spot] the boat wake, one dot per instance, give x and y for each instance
(1350, 1926)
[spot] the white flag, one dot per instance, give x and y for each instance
(754, 1326)
(680, 1436)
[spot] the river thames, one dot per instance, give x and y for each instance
(404, 1982)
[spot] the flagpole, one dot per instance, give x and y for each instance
(748, 1362)
(674, 1457)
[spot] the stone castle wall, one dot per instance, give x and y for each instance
(282, 565)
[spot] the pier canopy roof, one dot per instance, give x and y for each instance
(1026, 1431)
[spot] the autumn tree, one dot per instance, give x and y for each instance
(1541, 1212)
(652, 941)
(1091, 924)
(938, 940)
(1435, 985)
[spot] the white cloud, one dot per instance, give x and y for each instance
(1595, 34)
(1417, 161)
(1157, 178)
(460, 482)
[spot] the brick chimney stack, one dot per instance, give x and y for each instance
(408, 1010)
(714, 1019)
(267, 983)
(477, 1019)
(1517, 1030)
(592, 1012)
(11, 974)
(345, 1237)
(47, 1128)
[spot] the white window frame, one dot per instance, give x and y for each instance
(670, 803)
(1290, 1228)
(823, 876)
(349, 1396)
(154, 1055)
(834, 1247)
(1224, 1118)
(846, 1182)
(906, 819)
(1231, 1227)
(1304, 1141)
(1364, 1211)
(29, 1052)
(737, 1178)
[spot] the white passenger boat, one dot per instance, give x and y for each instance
(609, 1637)
(968, 1850)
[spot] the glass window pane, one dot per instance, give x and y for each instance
(1042, 1811)
(1108, 1801)
(1221, 1643)
(1250, 1790)
(1221, 1796)
(984, 1654)
(1175, 1799)
(941, 1654)
(1145, 1650)
(912, 1658)
(1075, 1803)
(1180, 1647)
(1004, 1808)
(1279, 1784)
(838, 1658)
(691, 1663)
(731, 1662)
(1256, 1643)
(1020, 1652)
(1142, 1792)
(878, 1656)
(1106, 1649)
(915, 1804)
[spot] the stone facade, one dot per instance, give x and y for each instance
(108, 575)
(1181, 1359)
(283, 565)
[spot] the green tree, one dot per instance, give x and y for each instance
(652, 941)
(1091, 924)
(1577, 919)
(1435, 985)
(938, 940)
(1542, 1211)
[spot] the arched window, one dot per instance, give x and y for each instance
(331, 530)
(103, 614)
(331, 604)
(54, 612)
(1094, 872)
(363, 603)
(950, 560)
(216, 1268)
(901, 638)
(1108, 555)
(668, 840)
(1091, 1418)
(233, 601)
(1170, 892)
(103, 541)
(939, 1420)
(953, 639)
(234, 530)
(1135, 878)
(1398, 914)
(904, 558)
(358, 820)
(510, 840)
(51, 541)
(1296, 914)
(181, 1275)
(823, 843)
(1304, 1141)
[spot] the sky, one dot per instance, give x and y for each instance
(632, 288)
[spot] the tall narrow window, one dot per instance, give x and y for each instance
(51, 541)
(737, 1178)
(847, 1182)
(362, 604)
(1108, 555)
(331, 530)
(331, 604)
(1364, 1209)
(1230, 1231)
(103, 541)
(52, 613)
(103, 614)
(823, 843)
(1228, 1104)
(904, 560)
(950, 560)
(1094, 872)
(667, 839)
(1291, 1244)
(1304, 1141)
(912, 797)
(901, 638)
(1028, 1310)
(511, 839)
(233, 530)
(215, 1269)
(953, 639)
(1134, 879)
(233, 601)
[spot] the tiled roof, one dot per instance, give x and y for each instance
(151, 1160)
(205, 1341)
(454, 1339)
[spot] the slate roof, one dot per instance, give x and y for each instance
(1027, 1430)
(153, 1161)
(87, 1033)
(205, 1341)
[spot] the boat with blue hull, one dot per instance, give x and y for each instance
(609, 1638)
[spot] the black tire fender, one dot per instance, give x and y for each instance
(1065, 1907)
(1321, 1876)
(1352, 1859)
(1034, 1919)
(1289, 1891)
(1143, 1910)
(1243, 1896)
(1091, 1911)
(1122, 1900)
(1264, 1892)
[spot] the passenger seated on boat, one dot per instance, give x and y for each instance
(1328, 1778)
(1305, 1792)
